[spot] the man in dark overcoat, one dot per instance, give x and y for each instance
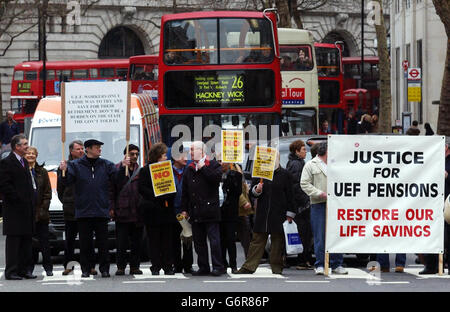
(19, 195)
(200, 202)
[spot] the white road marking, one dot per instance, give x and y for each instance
(142, 282)
(261, 272)
(224, 281)
(307, 281)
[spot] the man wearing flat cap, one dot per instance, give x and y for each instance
(92, 177)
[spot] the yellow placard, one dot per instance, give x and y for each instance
(264, 162)
(232, 146)
(162, 178)
(414, 94)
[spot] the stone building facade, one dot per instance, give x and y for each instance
(113, 28)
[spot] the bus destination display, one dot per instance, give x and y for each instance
(223, 88)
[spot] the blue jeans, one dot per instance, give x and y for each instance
(383, 260)
(318, 229)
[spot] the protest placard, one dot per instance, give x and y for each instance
(264, 162)
(233, 146)
(162, 178)
(385, 194)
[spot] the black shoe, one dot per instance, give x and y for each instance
(135, 272)
(200, 273)
(234, 270)
(155, 272)
(28, 276)
(169, 272)
(427, 271)
(217, 272)
(120, 272)
(244, 271)
(94, 272)
(85, 274)
(49, 273)
(188, 271)
(14, 277)
(105, 274)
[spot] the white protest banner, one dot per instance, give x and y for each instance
(385, 194)
(96, 106)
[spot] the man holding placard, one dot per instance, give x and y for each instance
(92, 176)
(275, 204)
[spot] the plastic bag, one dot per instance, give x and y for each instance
(447, 210)
(293, 242)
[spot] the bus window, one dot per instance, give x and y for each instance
(301, 121)
(296, 58)
(106, 72)
(93, 72)
(80, 73)
(50, 75)
(30, 75)
(18, 75)
(121, 72)
(329, 92)
(328, 62)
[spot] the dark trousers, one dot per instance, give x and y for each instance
(161, 242)
(256, 251)
(185, 260)
(18, 254)
(201, 232)
(432, 260)
(71, 232)
(228, 243)
(128, 235)
(42, 236)
(303, 221)
(87, 228)
(244, 233)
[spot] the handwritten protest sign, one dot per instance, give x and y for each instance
(264, 162)
(385, 194)
(162, 178)
(232, 146)
(95, 106)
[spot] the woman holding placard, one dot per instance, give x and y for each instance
(159, 213)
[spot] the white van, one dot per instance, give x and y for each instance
(45, 135)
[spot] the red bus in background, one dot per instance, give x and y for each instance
(331, 85)
(28, 80)
(371, 80)
(220, 68)
(143, 74)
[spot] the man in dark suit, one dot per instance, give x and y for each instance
(200, 201)
(19, 191)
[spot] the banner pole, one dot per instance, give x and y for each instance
(63, 123)
(441, 264)
(327, 255)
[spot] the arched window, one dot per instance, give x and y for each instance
(120, 42)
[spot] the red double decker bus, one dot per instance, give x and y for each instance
(220, 68)
(331, 85)
(371, 78)
(27, 86)
(143, 74)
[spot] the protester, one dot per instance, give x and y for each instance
(19, 198)
(428, 129)
(232, 190)
(159, 215)
(432, 260)
(182, 249)
(414, 129)
(383, 260)
(66, 196)
(365, 124)
(275, 205)
(92, 177)
(295, 166)
(8, 129)
(126, 213)
(244, 229)
(43, 197)
(352, 123)
(200, 203)
(314, 183)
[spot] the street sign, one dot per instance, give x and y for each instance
(405, 65)
(414, 74)
(414, 92)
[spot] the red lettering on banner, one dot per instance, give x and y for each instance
(231, 143)
(419, 214)
(401, 231)
(352, 230)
